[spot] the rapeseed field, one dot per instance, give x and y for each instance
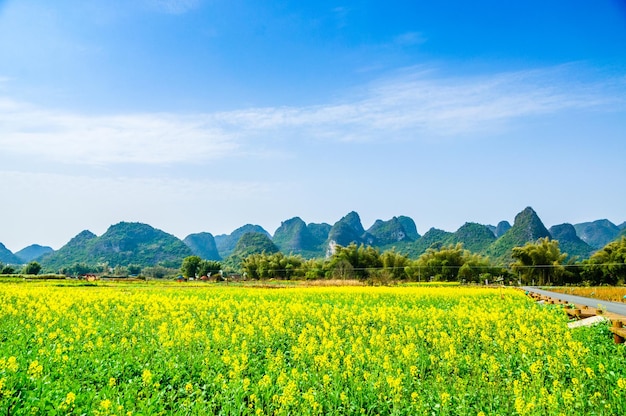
(147, 350)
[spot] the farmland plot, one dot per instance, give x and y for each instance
(349, 350)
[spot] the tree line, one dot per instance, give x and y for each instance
(32, 268)
(538, 263)
(535, 263)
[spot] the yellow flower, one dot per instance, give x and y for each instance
(189, 388)
(112, 382)
(12, 364)
(105, 404)
(146, 377)
(35, 370)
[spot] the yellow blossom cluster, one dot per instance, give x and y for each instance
(123, 350)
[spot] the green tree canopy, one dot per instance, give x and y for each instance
(606, 266)
(190, 266)
(442, 264)
(362, 259)
(274, 265)
(32, 268)
(540, 262)
(209, 268)
(451, 263)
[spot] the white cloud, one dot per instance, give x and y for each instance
(417, 103)
(144, 138)
(413, 105)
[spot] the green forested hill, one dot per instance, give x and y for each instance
(597, 233)
(226, 243)
(433, 238)
(254, 243)
(135, 243)
(569, 242)
(6, 256)
(389, 232)
(474, 237)
(293, 236)
(33, 252)
(349, 230)
(526, 227)
(203, 245)
(123, 244)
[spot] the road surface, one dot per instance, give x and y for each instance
(614, 307)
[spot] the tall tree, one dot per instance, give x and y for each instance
(209, 268)
(607, 266)
(540, 262)
(363, 259)
(190, 265)
(32, 268)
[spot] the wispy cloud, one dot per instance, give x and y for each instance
(138, 138)
(412, 105)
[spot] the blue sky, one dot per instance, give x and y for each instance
(204, 115)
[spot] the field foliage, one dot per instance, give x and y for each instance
(145, 350)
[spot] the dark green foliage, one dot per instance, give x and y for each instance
(452, 263)
(123, 244)
(226, 243)
(209, 268)
(134, 269)
(203, 245)
(272, 266)
(80, 269)
(474, 237)
(7, 256)
(606, 266)
(354, 261)
(33, 252)
(540, 262)
(527, 227)
(569, 242)
(394, 264)
(6, 269)
(32, 268)
(158, 272)
(388, 232)
(597, 233)
(190, 265)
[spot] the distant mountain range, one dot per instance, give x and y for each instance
(127, 244)
(123, 244)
